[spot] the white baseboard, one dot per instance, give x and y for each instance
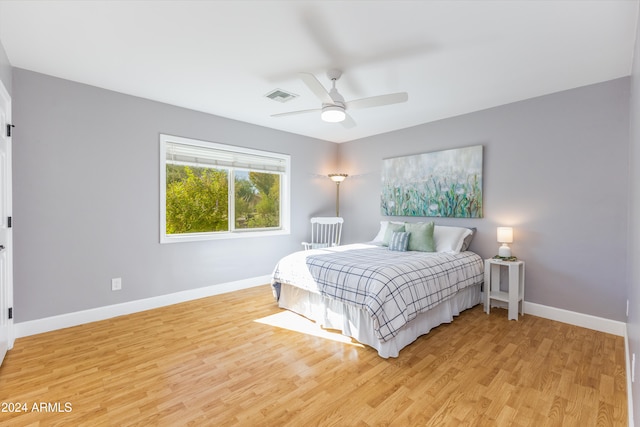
(608, 326)
(588, 321)
(67, 320)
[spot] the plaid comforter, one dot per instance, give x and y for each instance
(393, 287)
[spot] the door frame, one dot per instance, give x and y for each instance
(5, 98)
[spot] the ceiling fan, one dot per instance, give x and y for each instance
(334, 107)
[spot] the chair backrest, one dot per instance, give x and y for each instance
(325, 231)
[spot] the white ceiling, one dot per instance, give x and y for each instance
(222, 57)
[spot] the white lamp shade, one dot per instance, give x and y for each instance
(505, 234)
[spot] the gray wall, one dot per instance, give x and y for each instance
(633, 283)
(86, 198)
(555, 168)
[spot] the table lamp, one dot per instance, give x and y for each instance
(505, 235)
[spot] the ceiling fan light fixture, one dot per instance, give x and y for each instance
(333, 114)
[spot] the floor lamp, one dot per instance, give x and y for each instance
(338, 178)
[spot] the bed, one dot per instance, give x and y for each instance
(380, 297)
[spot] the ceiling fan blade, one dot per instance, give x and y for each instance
(293, 113)
(348, 122)
(378, 101)
(316, 87)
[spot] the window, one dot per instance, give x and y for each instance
(216, 191)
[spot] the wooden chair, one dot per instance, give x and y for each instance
(325, 232)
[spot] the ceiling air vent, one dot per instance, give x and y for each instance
(281, 95)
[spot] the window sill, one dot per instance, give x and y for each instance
(198, 237)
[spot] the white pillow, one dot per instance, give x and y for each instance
(383, 229)
(450, 239)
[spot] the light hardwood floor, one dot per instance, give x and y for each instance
(211, 362)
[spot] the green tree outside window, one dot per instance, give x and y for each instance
(197, 199)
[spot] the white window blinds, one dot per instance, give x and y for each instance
(218, 155)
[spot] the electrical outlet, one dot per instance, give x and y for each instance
(627, 308)
(116, 284)
(633, 368)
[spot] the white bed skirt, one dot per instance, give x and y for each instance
(356, 323)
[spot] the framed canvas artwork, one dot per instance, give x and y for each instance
(439, 184)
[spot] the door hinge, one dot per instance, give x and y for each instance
(9, 130)
(10, 312)
(9, 222)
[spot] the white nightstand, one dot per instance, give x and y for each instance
(515, 296)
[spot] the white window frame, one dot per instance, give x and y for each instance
(285, 199)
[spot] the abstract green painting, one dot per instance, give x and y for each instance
(439, 184)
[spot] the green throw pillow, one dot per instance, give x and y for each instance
(391, 228)
(421, 238)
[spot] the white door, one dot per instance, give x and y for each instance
(6, 232)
